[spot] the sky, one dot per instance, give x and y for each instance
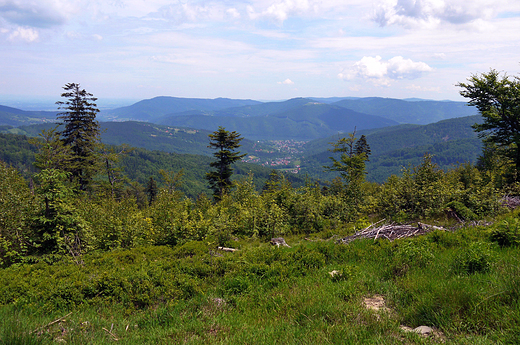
(254, 49)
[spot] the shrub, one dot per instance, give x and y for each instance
(477, 258)
(506, 233)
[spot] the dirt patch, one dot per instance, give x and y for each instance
(376, 303)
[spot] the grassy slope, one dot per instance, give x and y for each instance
(265, 295)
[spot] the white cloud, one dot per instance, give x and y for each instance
(382, 72)
(24, 34)
(431, 13)
(181, 12)
(279, 11)
(233, 13)
(286, 82)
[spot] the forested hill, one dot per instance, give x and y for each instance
(450, 142)
(151, 109)
(305, 122)
(149, 136)
(402, 111)
(15, 117)
(141, 164)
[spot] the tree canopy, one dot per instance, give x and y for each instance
(497, 97)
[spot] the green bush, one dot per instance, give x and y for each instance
(507, 232)
(17, 206)
(478, 257)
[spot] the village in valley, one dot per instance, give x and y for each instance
(279, 154)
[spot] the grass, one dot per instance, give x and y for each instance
(460, 283)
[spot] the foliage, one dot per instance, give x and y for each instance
(425, 191)
(226, 143)
(496, 97)
(476, 258)
(57, 225)
(507, 232)
(17, 205)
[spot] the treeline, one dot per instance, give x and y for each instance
(53, 220)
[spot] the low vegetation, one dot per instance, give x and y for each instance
(90, 256)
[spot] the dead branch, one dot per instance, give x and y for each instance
(225, 249)
(109, 332)
(51, 323)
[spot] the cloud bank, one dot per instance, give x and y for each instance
(381, 72)
(417, 13)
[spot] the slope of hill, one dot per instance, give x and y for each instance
(416, 112)
(308, 121)
(151, 137)
(450, 141)
(152, 109)
(16, 117)
(141, 164)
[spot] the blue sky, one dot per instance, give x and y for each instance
(258, 49)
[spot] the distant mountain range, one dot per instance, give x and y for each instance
(298, 118)
(152, 109)
(450, 141)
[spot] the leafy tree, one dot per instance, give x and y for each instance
(110, 157)
(172, 181)
(225, 142)
(354, 154)
(81, 132)
(17, 205)
(497, 97)
(276, 181)
(351, 166)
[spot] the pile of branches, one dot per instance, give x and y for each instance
(510, 202)
(390, 232)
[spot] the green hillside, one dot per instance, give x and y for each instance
(261, 109)
(15, 117)
(416, 112)
(141, 164)
(450, 142)
(152, 109)
(310, 121)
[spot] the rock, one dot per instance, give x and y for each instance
(423, 330)
(335, 273)
(279, 241)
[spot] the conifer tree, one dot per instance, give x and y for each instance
(225, 142)
(81, 132)
(151, 191)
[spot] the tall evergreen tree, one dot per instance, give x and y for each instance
(225, 142)
(152, 191)
(81, 132)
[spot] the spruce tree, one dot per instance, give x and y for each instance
(225, 142)
(81, 132)
(151, 191)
